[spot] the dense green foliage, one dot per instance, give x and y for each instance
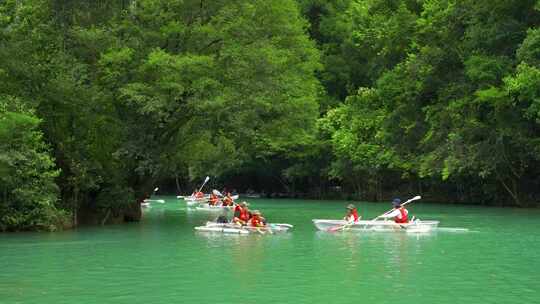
(133, 92)
(445, 100)
(379, 97)
(28, 192)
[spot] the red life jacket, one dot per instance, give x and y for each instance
(255, 221)
(244, 215)
(404, 219)
(199, 194)
(355, 215)
(213, 199)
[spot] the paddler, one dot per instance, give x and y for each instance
(352, 214)
(197, 194)
(256, 219)
(214, 199)
(241, 213)
(228, 200)
(399, 214)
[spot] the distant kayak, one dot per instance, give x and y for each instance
(154, 201)
(206, 207)
(194, 201)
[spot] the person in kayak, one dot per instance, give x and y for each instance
(214, 199)
(228, 200)
(399, 214)
(197, 194)
(352, 214)
(241, 214)
(256, 219)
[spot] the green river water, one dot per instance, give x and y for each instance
(163, 260)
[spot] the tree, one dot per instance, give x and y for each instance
(29, 195)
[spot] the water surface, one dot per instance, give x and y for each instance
(163, 260)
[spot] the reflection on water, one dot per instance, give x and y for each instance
(369, 255)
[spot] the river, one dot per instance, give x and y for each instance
(163, 260)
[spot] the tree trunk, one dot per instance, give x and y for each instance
(177, 184)
(106, 217)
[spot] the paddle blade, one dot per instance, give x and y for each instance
(207, 179)
(412, 199)
(156, 189)
(217, 192)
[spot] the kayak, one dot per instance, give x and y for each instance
(206, 207)
(237, 229)
(154, 201)
(193, 201)
(338, 225)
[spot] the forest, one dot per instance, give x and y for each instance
(100, 101)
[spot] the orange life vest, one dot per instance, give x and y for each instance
(227, 201)
(256, 221)
(213, 199)
(244, 215)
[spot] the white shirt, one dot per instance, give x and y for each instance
(394, 213)
(350, 219)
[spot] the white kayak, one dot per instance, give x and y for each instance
(207, 207)
(237, 229)
(153, 201)
(194, 201)
(339, 225)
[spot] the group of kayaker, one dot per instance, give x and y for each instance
(399, 214)
(243, 216)
(215, 200)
